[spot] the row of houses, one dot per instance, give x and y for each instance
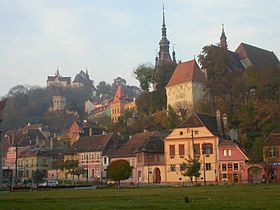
(155, 157)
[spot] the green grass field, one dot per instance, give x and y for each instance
(261, 196)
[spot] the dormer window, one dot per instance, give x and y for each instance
(181, 133)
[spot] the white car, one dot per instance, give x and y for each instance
(49, 183)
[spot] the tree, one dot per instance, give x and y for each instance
(119, 170)
(38, 176)
(144, 74)
(191, 168)
(79, 171)
(268, 170)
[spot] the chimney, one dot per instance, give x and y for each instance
(225, 123)
(90, 131)
(13, 138)
(130, 137)
(51, 143)
(37, 140)
(104, 132)
(145, 131)
(219, 122)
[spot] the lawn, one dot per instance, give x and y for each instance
(261, 196)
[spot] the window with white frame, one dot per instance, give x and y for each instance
(225, 152)
(229, 152)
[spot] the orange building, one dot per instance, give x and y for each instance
(120, 103)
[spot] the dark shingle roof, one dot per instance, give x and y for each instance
(91, 143)
(273, 139)
(133, 144)
(260, 58)
(201, 120)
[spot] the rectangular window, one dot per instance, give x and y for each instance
(229, 166)
(181, 133)
(197, 149)
(172, 150)
(181, 149)
(235, 166)
(224, 176)
(225, 152)
(229, 152)
(208, 148)
(224, 167)
(172, 167)
(139, 157)
(208, 166)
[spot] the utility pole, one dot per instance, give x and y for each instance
(193, 145)
(204, 169)
(16, 164)
(1, 152)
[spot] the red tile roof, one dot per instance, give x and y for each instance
(187, 71)
(118, 95)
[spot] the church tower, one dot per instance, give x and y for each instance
(163, 54)
(223, 39)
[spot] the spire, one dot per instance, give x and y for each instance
(163, 54)
(57, 72)
(86, 71)
(163, 29)
(223, 38)
(174, 54)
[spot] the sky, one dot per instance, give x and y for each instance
(112, 37)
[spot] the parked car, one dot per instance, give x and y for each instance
(49, 183)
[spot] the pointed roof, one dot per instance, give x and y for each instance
(187, 71)
(260, 58)
(163, 54)
(201, 120)
(223, 38)
(83, 78)
(119, 95)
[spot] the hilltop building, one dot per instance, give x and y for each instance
(82, 80)
(58, 81)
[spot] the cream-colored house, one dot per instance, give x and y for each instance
(186, 87)
(187, 141)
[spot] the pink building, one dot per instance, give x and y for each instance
(232, 162)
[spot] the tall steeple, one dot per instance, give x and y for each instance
(223, 39)
(163, 55)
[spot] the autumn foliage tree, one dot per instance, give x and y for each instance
(119, 170)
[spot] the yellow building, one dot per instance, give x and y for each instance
(186, 87)
(197, 133)
(31, 160)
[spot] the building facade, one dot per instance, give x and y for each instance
(198, 137)
(186, 88)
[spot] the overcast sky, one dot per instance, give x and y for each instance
(112, 37)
